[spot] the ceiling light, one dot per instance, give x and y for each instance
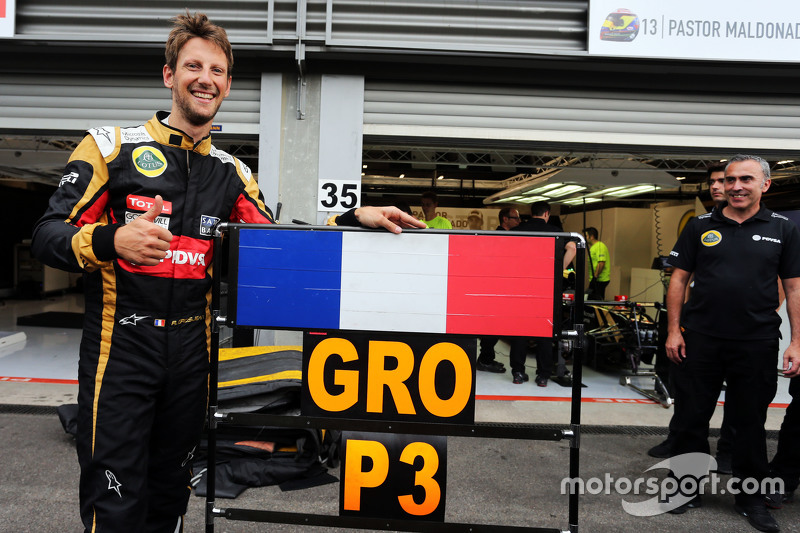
(512, 198)
(565, 190)
(629, 191)
(604, 192)
(401, 176)
(541, 190)
(440, 177)
(598, 176)
(580, 200)
(680, 177)
(531, 199)
(784, 162)
(363, 166)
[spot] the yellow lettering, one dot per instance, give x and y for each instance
(346, 378)
(394, 379)
(422, 478)
(445, 351)
(355, 478)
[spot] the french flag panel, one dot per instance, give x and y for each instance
(412, 282)
(499, 285)
(394, 284)
(289, 279)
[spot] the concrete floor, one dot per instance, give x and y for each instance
(490, 481)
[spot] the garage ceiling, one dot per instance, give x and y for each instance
(463, 176)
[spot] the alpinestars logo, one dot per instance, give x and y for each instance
(113, 484)
(131, 320)
(189, 457)
(105, 133)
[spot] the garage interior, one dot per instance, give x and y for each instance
(398, 171)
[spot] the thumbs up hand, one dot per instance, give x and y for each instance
(151, 214)
(142, 241)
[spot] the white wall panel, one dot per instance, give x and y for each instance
(582, 116)
(246, 21)
(45, 103)
(464, 26)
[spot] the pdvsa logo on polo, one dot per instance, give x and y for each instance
(767, 239)
(149, 161)
(711, 238)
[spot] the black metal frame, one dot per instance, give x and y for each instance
(479, 430)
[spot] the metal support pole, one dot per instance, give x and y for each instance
(213, 378)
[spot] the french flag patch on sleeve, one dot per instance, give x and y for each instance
(158, 322)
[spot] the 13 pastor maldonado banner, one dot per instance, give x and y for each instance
(687, 29)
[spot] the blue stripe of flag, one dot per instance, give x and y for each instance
(289, 278)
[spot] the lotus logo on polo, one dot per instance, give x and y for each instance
(711, 238)
(149, 161)
(179, 257)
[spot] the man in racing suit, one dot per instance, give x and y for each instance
(135, 212)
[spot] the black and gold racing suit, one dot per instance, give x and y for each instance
(143, 371)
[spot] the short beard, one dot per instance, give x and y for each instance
(194, 118)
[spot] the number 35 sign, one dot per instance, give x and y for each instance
(338, 195)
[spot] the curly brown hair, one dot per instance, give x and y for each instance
(186, 27)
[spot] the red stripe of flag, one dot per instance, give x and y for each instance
(500, 285)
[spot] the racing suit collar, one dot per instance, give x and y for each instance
(166, 134)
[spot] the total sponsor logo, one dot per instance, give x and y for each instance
(143, 203)
(766, 239)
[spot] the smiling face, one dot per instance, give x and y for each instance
(199, 84)
(744, 184)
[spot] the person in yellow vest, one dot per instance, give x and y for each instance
(429, 204)
(600, 261)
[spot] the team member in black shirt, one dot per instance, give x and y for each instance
(729, 328)
(540, 213)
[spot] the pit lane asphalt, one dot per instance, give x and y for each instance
(490, 481)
